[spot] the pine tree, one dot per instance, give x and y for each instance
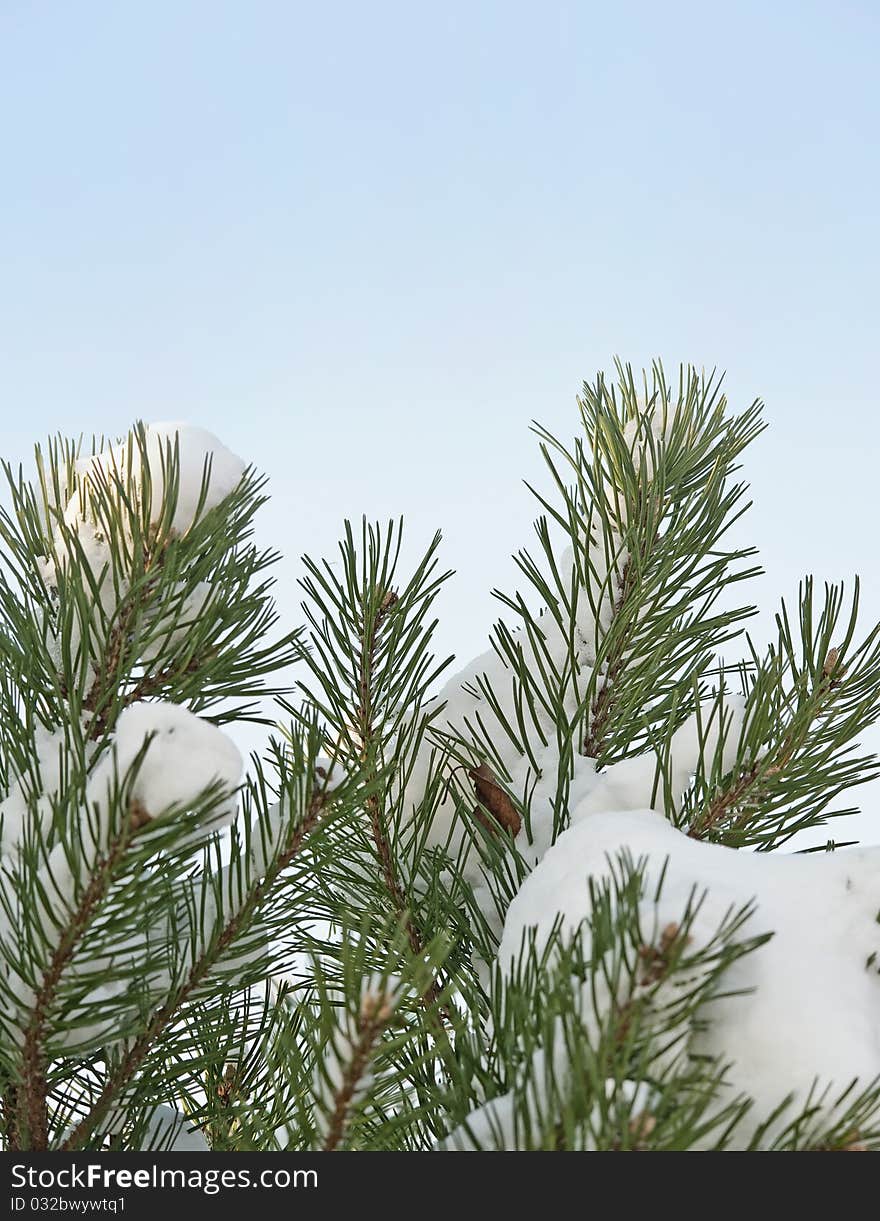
(540, 907)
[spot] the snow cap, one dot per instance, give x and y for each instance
(196, 447)
(186, 755)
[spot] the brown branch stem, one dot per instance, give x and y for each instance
(369, 1026)
(749, 782)
(602, 704)
(32, 1120)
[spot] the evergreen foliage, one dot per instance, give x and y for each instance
(324, 973)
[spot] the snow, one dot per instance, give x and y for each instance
(196, 448)
(167, 1129)
(630, 784)
(172, 622)
(807, 1007)
(185, 755)
(200, 455)
(498, 1125)
(490, 1126)
(34, 792)
(105, 591)
(171, 757)
(461, 708)
(636, 783)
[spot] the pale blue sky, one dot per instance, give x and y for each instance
(367, 244)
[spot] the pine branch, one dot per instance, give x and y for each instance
(735, 805)
(602, 705)
(371, 1020)
(370, 746)
(808, 700)
(626, 628)
(369, 655)
(103, 699)
(141, 956)
(31, 1095)
(137, 1053)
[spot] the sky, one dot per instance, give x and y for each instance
(367, 245)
